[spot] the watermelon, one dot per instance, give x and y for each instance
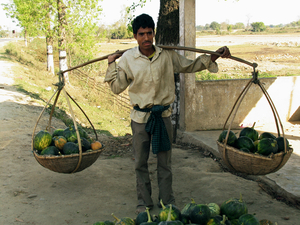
(266, 146)
(70, 134)
(70, 148)
(280, 143)
(141, 218)
(234, 208)
(200, 214)
(42, 140)
(218, 220)
(163, 214)
(123, 220)
(248, 219)
(51, 150)
(82, 132)
(85, 145)
(231, 137)
(185, 212)
(266, 135)
(249, 132)
(149, 221)
(245, 142)
(58, 132)
(169, 220)
(214, 209)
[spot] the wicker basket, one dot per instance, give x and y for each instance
(66, 163)
(253, 164)
(249, 163)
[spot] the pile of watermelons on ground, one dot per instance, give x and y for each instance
(251, 142)
(64, 142)
(232, 212)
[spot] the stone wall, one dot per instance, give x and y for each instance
(213, 101)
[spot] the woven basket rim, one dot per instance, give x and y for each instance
(269, 157)
(65, 156)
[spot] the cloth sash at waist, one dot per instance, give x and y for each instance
(156, 127)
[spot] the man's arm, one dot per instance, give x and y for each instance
(115, 76)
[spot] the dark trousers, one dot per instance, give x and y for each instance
(141, 147)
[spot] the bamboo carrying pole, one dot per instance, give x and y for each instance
(254, 65)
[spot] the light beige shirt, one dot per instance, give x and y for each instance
(151, 82)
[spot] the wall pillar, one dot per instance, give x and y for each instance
(187, 37)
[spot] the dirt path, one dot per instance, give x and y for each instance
(31, 194)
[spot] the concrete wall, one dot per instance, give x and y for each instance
(187, 33)
(212, 102)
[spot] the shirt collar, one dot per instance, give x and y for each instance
(139, 54)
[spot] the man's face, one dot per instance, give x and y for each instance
(144, 37)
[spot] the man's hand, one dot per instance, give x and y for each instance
(111, 58)
(224, 51)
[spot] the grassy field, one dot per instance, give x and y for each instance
(273, 61)
(106, 118)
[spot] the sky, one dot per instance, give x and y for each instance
(270, 12)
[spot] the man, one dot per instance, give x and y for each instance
(148, 71)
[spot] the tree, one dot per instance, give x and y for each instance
(26, 12)
(77, 27)
(258, 26)
(215, 26)
(48, 23)
(239, 26)
(119, 29)
(62, 46)
(82, 26)
(50, 34)
(34, 17)
(167, 31)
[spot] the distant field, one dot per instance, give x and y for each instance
(275, 54)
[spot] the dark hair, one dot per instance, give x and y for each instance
(143, 20)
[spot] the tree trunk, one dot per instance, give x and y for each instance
(50, 61)
(25, 37)
(167, 33)
(61, 8)
(49, 43)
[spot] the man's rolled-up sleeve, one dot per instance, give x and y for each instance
(202, 62)
(116, 78)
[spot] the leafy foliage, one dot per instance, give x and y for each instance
(258, 26)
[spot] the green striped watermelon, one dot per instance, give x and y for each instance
(42, 140)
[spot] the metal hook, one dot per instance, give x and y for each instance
(255, 74)
(61, 80)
